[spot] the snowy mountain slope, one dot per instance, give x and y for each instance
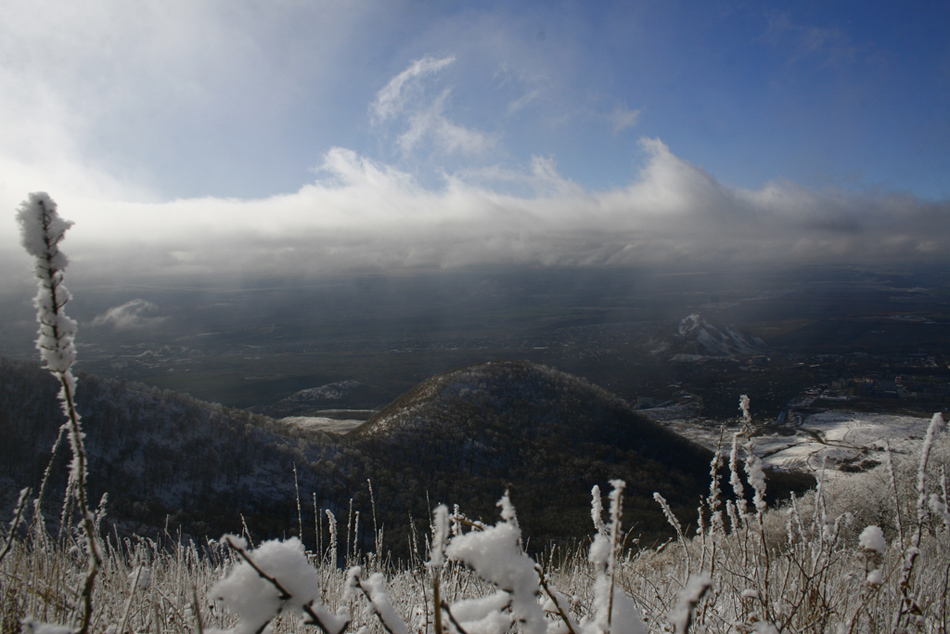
(834, 442)
(322, 423)
(309, 402)
(696, 336)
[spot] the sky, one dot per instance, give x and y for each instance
(213, 137)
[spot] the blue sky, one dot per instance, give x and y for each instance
(231, 120)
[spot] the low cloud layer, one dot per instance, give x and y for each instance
(363, 215)
(132, 315)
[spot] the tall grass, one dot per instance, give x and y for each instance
(866, 553)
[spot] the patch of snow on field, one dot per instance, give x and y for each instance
(837, 437)
(322, 423)
(833, 438)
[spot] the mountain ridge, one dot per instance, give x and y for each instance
(464, 436)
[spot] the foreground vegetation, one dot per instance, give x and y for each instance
(870, 552)
(811, 565)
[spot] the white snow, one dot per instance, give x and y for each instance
(322, 423)
(256, 600)
(41, 231)
(496, 555)
(872, 538)
(823, 440)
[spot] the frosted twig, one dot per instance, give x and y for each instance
(374, 589)
(736, 480)
(17, 516)
(597, 510)
(41, 231)
(331, 521)
(616, 511)
(554, 599)
(713, 501)
(668, 512)
(756, 477)
(440, 529)
(689, 598)
(746, 419)
(299, 514)
(911, 554)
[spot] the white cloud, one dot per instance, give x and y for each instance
(447, 136)
(623, 118)
(132, 315)
(392, 99)
(521, 102)
(405, 100)
(363, 214)
(109, 99)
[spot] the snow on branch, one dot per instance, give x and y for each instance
(41, 231)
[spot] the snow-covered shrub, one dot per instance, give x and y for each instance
(273, 579)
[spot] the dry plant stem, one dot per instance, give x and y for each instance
(614, 530)
(369, 598)
(897, 507)
(88, 525)
(943, 598)
(284, 595)
(299, 514)
(557, 604)
(18, 515)
(377, 535)
(437, 602)
(37, 503)
(50, 276)
(128, 604)
(197, 608)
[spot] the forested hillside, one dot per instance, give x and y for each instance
(158, 453)
(168, 460)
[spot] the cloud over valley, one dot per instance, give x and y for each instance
(363, 215)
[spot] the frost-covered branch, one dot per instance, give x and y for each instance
(440, 531)
(374, 589)
(613, 611)
(41, 231)
(17, 516)
(689, 598)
